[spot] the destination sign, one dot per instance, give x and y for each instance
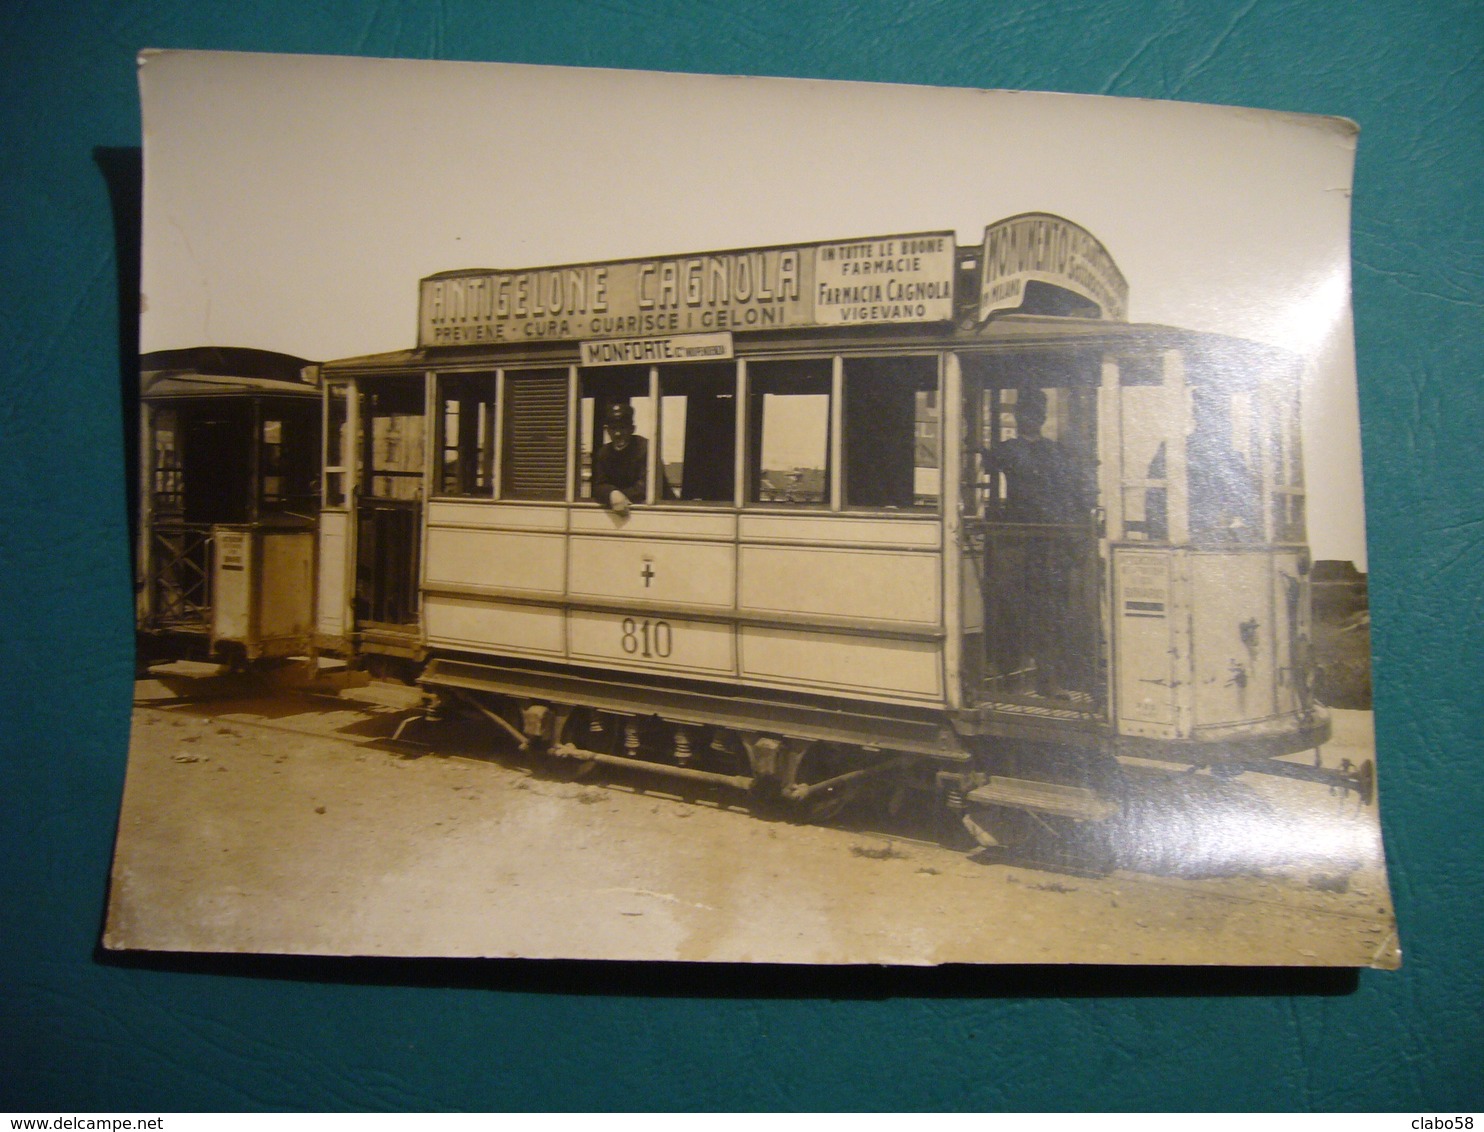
(889, 279)
(1040, 248)
(680, 348)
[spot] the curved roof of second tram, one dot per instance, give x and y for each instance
(206, 371)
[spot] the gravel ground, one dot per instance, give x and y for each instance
(272, 819)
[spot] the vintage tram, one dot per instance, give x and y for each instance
(228, 503)
(896, 509)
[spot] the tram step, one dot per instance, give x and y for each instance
(1075, 802)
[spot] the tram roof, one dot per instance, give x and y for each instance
(1005, 331)
(170, 383)
(204, 371)
(239, 361)
(397, 359)
(1051, 329)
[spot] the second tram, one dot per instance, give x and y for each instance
(228, 504)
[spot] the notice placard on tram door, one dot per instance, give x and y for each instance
(232, 583)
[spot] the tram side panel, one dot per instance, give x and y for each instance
(1232, 637)
(857, 605)
(495, 577)
(1293, 631)
(818, 603)
(653, 591)
(1150, 645)
(262, 588)
(332, 604)
(1212, 646)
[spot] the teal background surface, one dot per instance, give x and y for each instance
(83, 1031)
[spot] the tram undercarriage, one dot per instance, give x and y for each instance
(1037, 798)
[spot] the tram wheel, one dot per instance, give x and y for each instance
(821, 762)
(577, 731)
(821, 807)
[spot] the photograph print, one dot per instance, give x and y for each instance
(618, 515)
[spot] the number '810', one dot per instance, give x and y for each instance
(647, 638)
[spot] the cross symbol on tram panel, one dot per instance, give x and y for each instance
(647, 574)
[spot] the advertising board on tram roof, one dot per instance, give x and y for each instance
(872, 281)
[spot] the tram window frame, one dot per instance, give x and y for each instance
(338, 450)
(597, 388)
(881, 432)
(1225, 453)
(288, 460)
(708, 436)
(547, 482)
(1288, 503)
(393, 440)
(789, 378)
(1148, 412)
(167, 473)
(1068, 379)
(1069, 422)
(464, 464)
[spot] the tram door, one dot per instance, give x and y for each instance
(202, 476)
(390, 456)
(1035, 471)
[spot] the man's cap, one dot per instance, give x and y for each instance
(619, 413)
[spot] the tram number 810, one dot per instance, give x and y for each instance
(647, 638)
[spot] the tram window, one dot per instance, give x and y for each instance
(336, 454)
(216, 450)
(393, 456)
(1148, 415)
(534, 463)
(466, 434)
(1221, 455)
(169, 498)
(287, 483)
(788, 420)
(698, 431)
(891, 433)
(272, 460)
(601, 389)
(1289, 520)
(1038, 465)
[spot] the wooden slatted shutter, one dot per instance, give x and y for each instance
(535, 461)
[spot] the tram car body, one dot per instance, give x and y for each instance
(228, 504)
(906, 510)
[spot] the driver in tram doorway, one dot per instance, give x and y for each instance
(1046, 485)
